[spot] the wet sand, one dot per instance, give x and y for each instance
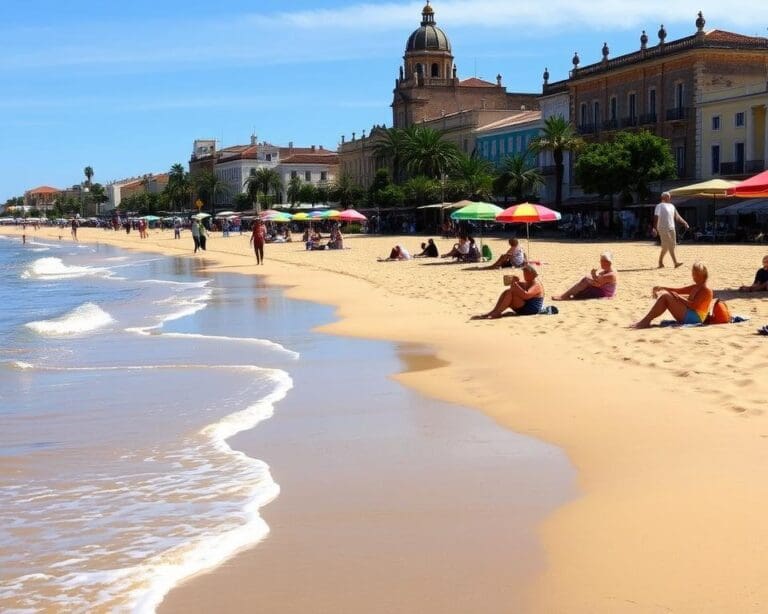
(666, 427)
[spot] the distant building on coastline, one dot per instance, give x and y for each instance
(676, 89)
(429, 92)
(42, 198)
(150, 183)
(314, 165)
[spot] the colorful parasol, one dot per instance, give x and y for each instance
(528, 213)
(754, 187)
(350, 215)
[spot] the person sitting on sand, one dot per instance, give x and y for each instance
(428, 250)
(474, 254)
(761, 279)
(601, 283)
(314, 241)
(337, 240)
(525, 298)
(460, 249)
(398, 253)
(513, 257)
(691, 310)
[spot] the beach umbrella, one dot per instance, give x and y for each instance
(330, 214)
(302, 216)
(350, 215)
(150, 218)
(477, 212)
(716, 188)
(277, 217)
(754, 187)
(225, 214)
(199, 216)
(528, 213)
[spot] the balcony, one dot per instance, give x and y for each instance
(754, 166)
(648, 118)
(611, 124)
(629, 122)
(732, 168)
(678, 114)
(587, 129)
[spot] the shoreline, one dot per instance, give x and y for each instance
(669, 447)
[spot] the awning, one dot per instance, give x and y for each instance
(745, 207)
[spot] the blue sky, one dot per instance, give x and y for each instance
(125, 87)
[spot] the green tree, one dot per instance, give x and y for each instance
(322, 194)
(308, 193)
(179, 188)
(558, 137)
(98, 195)
(293, 190)
(390, 196)
(264, 181)
(421, 190)
(88, 172)
(389, 149)
(381, 182)
(209, 187)
(345, 191)
(473, 176)
(517, 177)
(242, 202)
(626, 165)
(426, 153)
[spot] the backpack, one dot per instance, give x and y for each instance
(720, 313)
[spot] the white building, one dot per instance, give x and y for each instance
(555, 101)
(312, 165)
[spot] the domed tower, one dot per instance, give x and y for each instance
(428, 50)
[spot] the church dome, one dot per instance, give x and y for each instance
(428, 37)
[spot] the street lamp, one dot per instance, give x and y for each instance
(83, 188)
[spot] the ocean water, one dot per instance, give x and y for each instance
(116, 401)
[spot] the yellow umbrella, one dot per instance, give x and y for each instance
(716, 188)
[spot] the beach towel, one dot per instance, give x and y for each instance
(676, 324)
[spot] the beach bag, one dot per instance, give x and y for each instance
(487, 254)
(720, 313)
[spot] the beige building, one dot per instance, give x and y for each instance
(42, 198)
(429, 92)
(734, 139)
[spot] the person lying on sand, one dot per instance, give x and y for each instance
(513, 257)
(428, 250)
(691, 310)
(761, 279)
(459, 250)
(525, 298)
(398, 253)
(601, 284)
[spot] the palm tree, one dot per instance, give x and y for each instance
(558, 136)
(293, 191)
(345, 191)
(517, 177)
(474, 175)
(421, 190)
(88, 172)
(389, 149)
(179, 188)
(209, 186)
(252, 186)
(264, 181)
(426, 153)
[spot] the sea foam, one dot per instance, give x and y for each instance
(54, 268)
(85, 318)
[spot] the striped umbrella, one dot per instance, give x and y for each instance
(302, 216)
(527, 213)
(275, 216)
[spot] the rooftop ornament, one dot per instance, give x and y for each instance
(662, 34)
(643, 40)
(700, 23)
(546, 76)
(606, 51)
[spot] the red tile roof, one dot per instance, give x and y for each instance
(721, 36)
(311, 158)
(44, 189)
(475, 82)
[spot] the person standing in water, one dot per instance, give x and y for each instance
(195, 229)
(74, 228)
(258, 238)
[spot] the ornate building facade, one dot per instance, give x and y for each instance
(428, 91)
(661, 88)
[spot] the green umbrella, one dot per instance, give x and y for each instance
(477, 212)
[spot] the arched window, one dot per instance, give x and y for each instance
(435, 70)
(419, 69)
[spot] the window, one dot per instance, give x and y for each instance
(738, 150)
(596, 111)
(715, 159)
(510, 144)
(435, 70)
(679, 96)
(715, 122)
(614, 107)
(493, 149)
(652, 101)
(632, 101)
(323, 175)
(307, 176)
(519, 143)
(269, 157)
(680, 160)
(583, 113)
(740, 119)
(294, 174)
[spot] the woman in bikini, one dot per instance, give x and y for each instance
(525, 298)
(691, 310)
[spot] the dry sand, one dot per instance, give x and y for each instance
(666, 427)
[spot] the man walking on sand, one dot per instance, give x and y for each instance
(664, 217)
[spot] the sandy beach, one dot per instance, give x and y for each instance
(666, 427)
